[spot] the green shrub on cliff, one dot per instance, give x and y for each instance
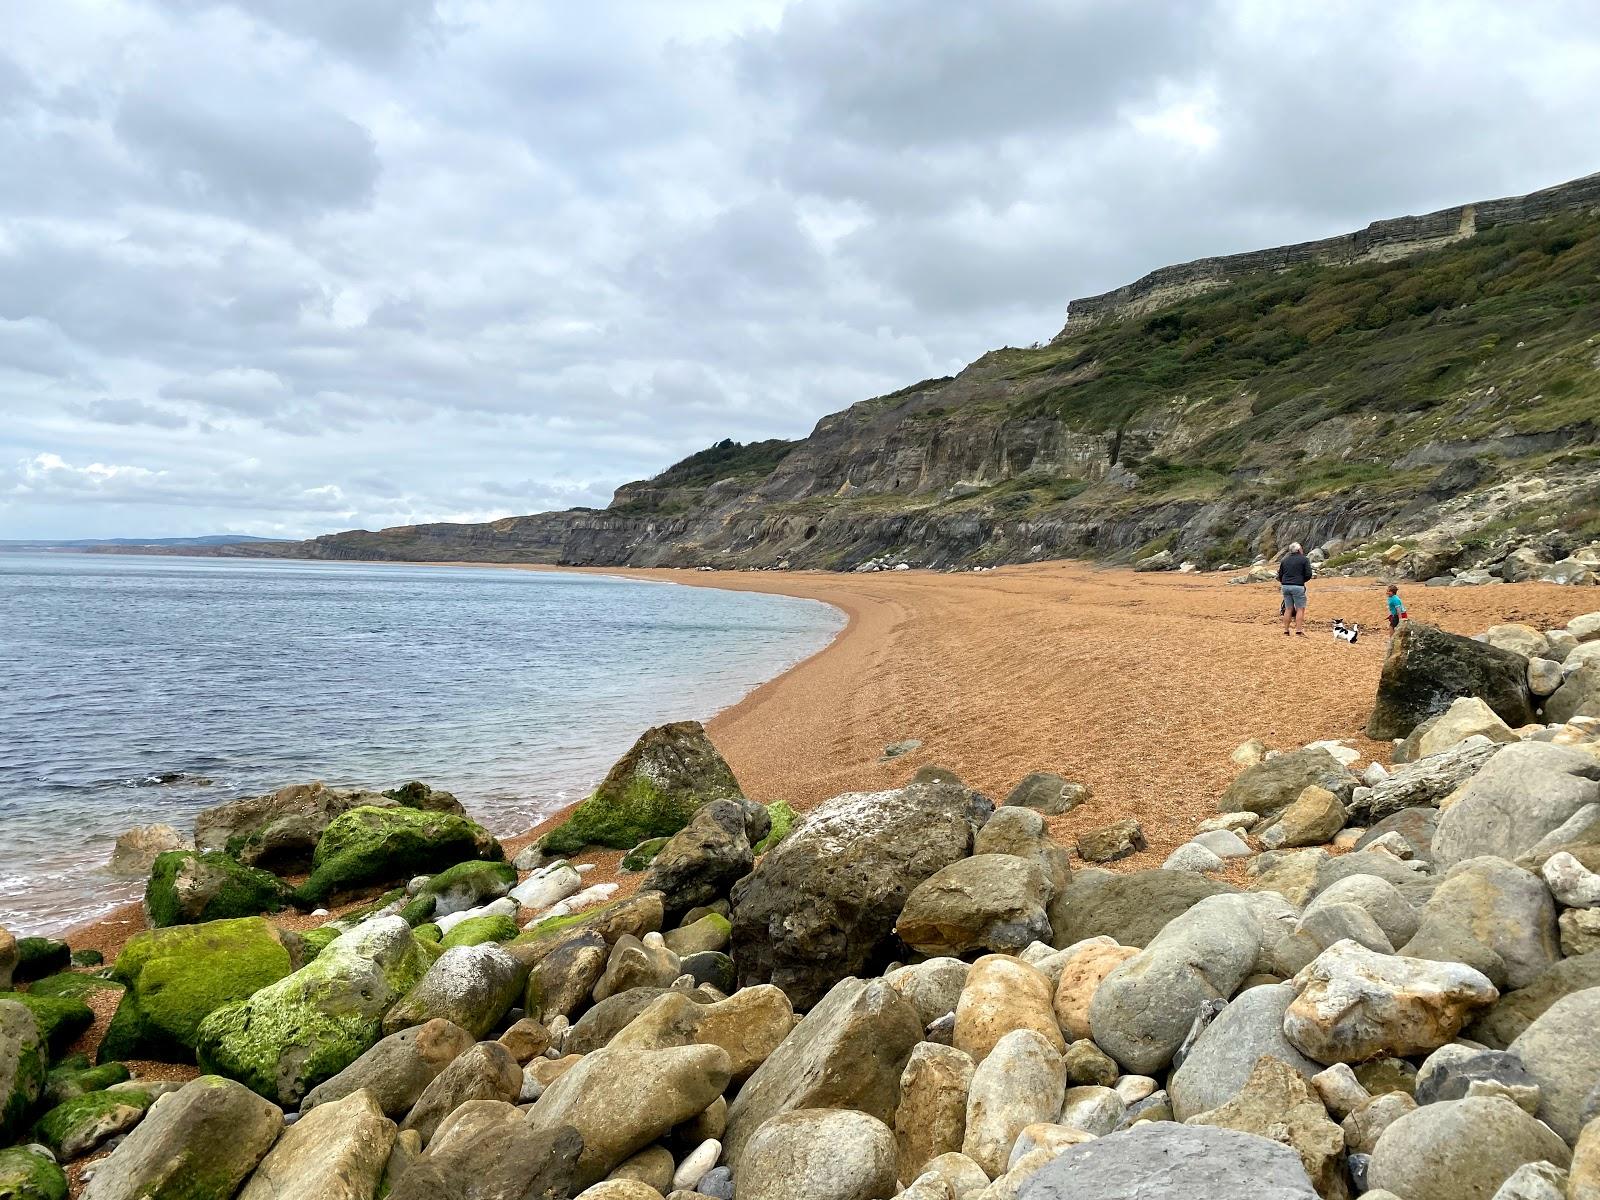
(369, 845)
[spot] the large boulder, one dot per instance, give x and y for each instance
(1278, 1102)
(470, 986)
(280, 830)
(1460, 1149)
(486, 1071)
(1467, 716)
(337, 1152)
(1021, 1083)
(1560, 1051)
(136, 851)
(989, 902)
(1519, 639)
(1273, 784)
(1143, 1009)
(1522, 794)
(821, 1154)
(1219, 1063)
(397, 1069)
(460, 889)
(1024, 833)
(187, 887)
(1001, 995)
(822, 904)
(1578, 695)
(1159, 1160)
(652, 791)
(29, 1173)
(486, 1151)
(23, 1057)
(1515, 1011)
(1355, 1004)
(1502, 907)
(702, 860)
(1421, 783)
(175, 978)
(201, 1141)
(931, 1118)
(1426, 669)
(371, 845)
(621, 1100)
(1047, 793)
(749, 1025)
(848, 1052)
(1130, 908)
(291, 1035)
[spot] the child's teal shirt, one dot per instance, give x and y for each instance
(1395, 606)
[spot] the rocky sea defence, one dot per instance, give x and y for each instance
(1359, 978)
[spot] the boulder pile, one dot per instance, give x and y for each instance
(1354, 981)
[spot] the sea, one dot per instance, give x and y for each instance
(142, 689)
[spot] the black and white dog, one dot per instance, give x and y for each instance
(1346, 633)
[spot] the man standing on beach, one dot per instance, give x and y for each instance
(1294, 572)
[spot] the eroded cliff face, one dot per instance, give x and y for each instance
(1388, 398)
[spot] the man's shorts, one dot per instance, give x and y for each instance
(1294, 596)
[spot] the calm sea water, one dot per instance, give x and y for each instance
(135, 690)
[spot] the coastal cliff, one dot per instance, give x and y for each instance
(1429, 381)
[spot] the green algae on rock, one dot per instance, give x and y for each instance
(474, 931)
(177, 977)
(463, 886)
(73, 984)
(187, 887)
(60, 1018)
(38, 957)
(77, 1078)
(652, 791)
(293, 1034)
(642, 855)
(371, 845)
(75, 1127)
(25, 1175)
(23, 1058)
(783, 819)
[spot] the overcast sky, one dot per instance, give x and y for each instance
(290, 266)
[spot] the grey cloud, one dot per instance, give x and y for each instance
(110, 411)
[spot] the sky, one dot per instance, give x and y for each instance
(284, 267)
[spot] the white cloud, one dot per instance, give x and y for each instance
(284, 265)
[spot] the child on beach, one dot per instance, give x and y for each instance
(1397, 610)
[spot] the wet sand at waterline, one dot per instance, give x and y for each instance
(1138, 685)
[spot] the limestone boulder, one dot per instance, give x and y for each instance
(203, 1140)
(653, 790)
(933, 987)
(1560, 1052)
(1143, 1008)
(1353, 1004)
(1503, 907)
(486, 1071)
(931, 1118)
(561, 981)
(993, 902)
(1383, 902)
(1467, 716)
(748, 1026)
(1219, 1064)
(636, 963)
(1273, 784)
(848, 1052)
(1314, 817)
(1418, 787)
(1081, 977)
(485, 1150)
(1460, 1149)
(1131, 908)
(30, 1173)
(291, 1035)
(1021, 1082)
(822, 1154)
(822, 904)
(1047, 793)
(1578, 695)
(1023, 832)
(470, 986)
(278, 831)
(395, 1071)
(1108, 843)
(24, 1055)
(622, 1100)
(1427, 669)
(1515, 1011)
(1521, 795)
(703, 859)
(1278, 1102)
(136, 851)
(374, 845)
(337, 1152)
(1004, 994)
(1520, 639)
(1159, 1160)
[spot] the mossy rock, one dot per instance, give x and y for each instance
(60, 1018)
(177, 977)
(651, 792)
(187, 887)
(24, 1054)
(371, 845)
(38, 957)
(77, 1126)
(71, 1080)
(463, 886)
(293, 1034)
(430, 799)
(642, 855)
(87, 958)
(75, 984)
(637, 915)
(475, 931)
(429, 933)
(783, 819)
(25, 1175)
(314, 941)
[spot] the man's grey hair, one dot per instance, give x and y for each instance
(1294, 547)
